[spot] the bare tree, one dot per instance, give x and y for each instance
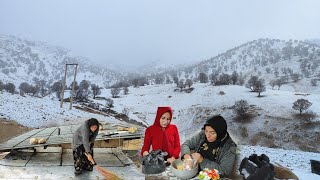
(96, 90)
(276, 73)
(125, 90)
(84, 85)
(115, 92)
(272, 83)
(189, 83)
(29, 89)
(57, 88)
(234, 77)
(10, 87)
(241, 80)
(24, 87)
(301, 105)
(279, 83)
(181, 84)
(43, 90)
(168, 81)
(314, 82)
(83, 91)
(214, 78)
(34, 89)
(159, 80)
(1, 85)
(241, 107)
(135, 82)
(143, 81)
(176, 80)
(295, 77)
(203, 77)
(252, 82)
(224, 79)
(125, 111)
(109, 103)
(268, 70)
(259, 87)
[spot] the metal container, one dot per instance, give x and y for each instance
(185, 173)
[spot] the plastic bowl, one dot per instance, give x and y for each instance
(185, 173)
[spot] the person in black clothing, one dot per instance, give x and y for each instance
(212, 148)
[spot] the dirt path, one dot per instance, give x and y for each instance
(10, 129)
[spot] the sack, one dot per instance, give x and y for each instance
(154, 163)
(257, 168)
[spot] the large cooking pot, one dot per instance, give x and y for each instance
(178, 168)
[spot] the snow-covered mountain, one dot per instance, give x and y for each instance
(315, 41)
(255, 57)
(28, 61)
(269, 59)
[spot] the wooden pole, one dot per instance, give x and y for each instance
(63, 86)
(73, 85)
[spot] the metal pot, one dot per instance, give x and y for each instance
(184, 173)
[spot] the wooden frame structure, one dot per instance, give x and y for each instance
(64, 84)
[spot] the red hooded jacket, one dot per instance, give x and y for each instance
(167, 140)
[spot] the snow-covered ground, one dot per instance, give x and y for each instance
(42, 112)
(275, 115)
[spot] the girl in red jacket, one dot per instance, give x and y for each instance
(162, 135)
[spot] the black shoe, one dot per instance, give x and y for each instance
(89, 168)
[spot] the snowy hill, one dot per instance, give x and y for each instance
(268, 58)
(29, 61)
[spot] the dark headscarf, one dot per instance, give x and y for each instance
(211, 150)
(92, 122)
(219, 124)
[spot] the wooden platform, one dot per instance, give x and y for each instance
(62, 136)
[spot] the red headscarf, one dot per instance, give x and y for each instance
(167, 139)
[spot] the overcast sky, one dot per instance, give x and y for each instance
(136, 32)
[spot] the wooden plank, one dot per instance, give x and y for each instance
(16, 158)
(109, 143)
(134, 144)
(124, 159)
(63, 136)
(45, 159)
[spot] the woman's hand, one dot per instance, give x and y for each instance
(145, 153)
(90, 158)
(187, 156)
(170, 160)
(197, 157)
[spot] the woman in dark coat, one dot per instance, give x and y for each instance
(212, 148)
(82, 145)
